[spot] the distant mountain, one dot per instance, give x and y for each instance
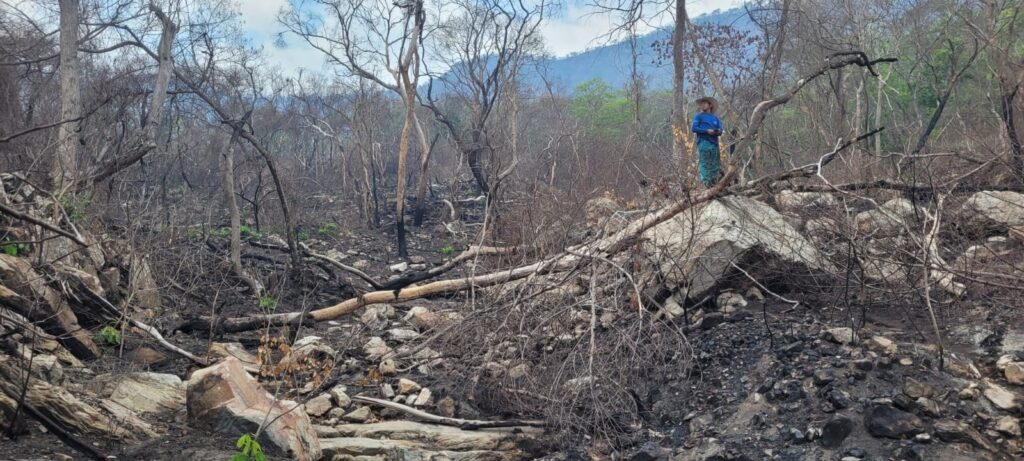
(611, 63)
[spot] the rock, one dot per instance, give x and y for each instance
(387, 391)
(376, 348)
(729, 302)
(835, 432)
(823, 377)
(406, 386)
(959, 432)
(361, 264)
(142, 288)
(402, 335)
(881, 345)
(1008, 425)
(886, 421)
(422, 318)
(223, 397)
(109, 420)
(359, 415)
(25, 291)
(145, 392)
(1005, 360)
(603, 215)
(423, 399)
(886, 220)
(696, 249)
(994, 210)
(319, 405)
(839, 399)
(400, 267)
(1000, 397)
(929, 407)
(388, 367)
(145, 356)
(906, 361)
(309, 348)
(340, 397)
(417, 259)
(841, 335)
(971, 392)
(236, 350)
(1015, 373)
(800, 201)
(916, 389)
(519, 371)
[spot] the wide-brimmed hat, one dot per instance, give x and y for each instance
(709, 100)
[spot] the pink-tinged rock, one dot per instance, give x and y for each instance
(223, 397)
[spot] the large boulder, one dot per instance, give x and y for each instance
(697, 248)
(224, 398)
(143, 392)
(26, 292)
(994, 210)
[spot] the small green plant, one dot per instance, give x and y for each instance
(245, 231)
(109, 336)
(16, 249)
(75, 207)
(303, 235)
(448, 250)
(220, 232)
(327, 229)
(268, 303)
(248, 449)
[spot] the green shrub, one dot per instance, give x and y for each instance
(75, 207)
(448, 250)
(248, 449)
(303, 235)
(327, 229)
(109, 336)
(245, 231)
(16, 249)
(268, 303)
(221, 232)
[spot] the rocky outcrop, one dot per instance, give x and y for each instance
(143, 392)
(224, 398)
(697, 249)
(994, 210)
(25, 290)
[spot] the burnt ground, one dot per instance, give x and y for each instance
(761, 389)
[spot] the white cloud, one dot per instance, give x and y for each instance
(260, 16)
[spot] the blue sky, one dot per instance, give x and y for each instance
(574, 29)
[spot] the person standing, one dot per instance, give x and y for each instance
(708, 128)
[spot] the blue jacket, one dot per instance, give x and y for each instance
(704, 121)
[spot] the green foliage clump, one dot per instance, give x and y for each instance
(327, 229)
(248, 449)
(448, 250)
(220, 232)
(16, 249)
(303, 235)
(245, 231)
(268, 303)
(109, 336)
(75, 206)
(601, 110)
